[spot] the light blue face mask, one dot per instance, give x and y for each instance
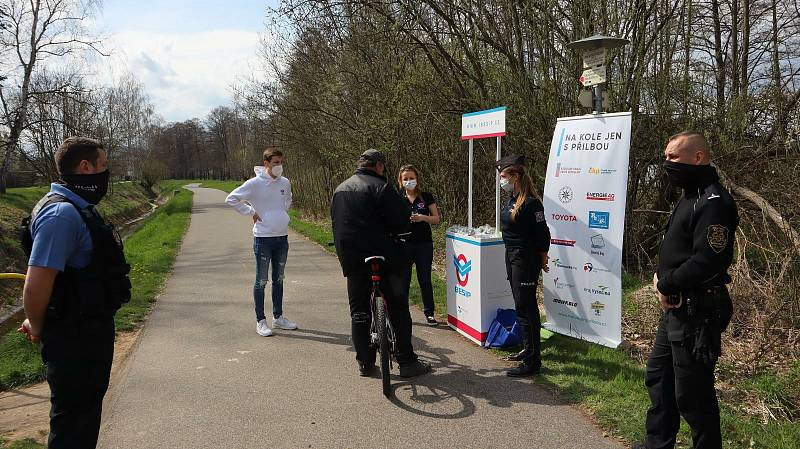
(506, 184)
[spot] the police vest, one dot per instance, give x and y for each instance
(99, 289)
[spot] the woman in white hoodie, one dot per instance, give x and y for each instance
(267, 198)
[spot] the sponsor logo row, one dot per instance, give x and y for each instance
(566, 195)
(587, 267)
(597, 306)
(566, 170)
(597, 219)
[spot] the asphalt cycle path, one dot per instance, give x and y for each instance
(200, 376)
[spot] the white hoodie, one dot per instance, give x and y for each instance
(270, 198)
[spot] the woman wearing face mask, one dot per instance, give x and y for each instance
(527, 240)
(419, 246)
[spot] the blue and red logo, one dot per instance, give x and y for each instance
(463, 267)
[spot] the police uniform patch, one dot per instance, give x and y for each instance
(717, 237)
(539, 217)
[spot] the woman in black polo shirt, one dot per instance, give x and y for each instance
(527, 240)
(419, 245)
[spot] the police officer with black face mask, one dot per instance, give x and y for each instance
(691, 286)
(77, 279)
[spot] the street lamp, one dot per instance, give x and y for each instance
(594, 69)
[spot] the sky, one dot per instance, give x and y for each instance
(186, 53)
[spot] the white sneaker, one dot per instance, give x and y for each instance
(282, 323)
(263, 329)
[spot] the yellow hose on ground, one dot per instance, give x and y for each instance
(17, 276)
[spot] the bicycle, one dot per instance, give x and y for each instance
(382, 336)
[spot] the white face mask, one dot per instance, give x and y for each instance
(410, 184)
(277, 171)
(506, 184)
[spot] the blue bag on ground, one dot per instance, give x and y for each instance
(503, 332)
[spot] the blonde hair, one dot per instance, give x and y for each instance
(526, 187)
(403, 169)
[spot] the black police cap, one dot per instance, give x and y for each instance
(508, 161)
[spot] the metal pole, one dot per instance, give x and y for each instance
(469, 201)
(497, 189)
(597, 99)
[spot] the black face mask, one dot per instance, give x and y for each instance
(687, 176)
(91, 188)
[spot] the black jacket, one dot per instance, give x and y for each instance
(698, 246)
(365, 212)
(529, 230)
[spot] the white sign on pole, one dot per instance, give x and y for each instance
(594, 58)
(482, 124)
(593, 76)
(584, 202)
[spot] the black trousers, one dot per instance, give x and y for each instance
(359, 291)
(420, 254)
(680, 386)
(522, 268)
(77, 388)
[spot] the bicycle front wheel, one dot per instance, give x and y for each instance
(383, 343)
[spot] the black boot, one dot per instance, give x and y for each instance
(366, 369)
(414, 369)
(524, 370)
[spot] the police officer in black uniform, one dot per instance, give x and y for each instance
(691, 285)
(77, 279)
(527, 240)
(365, 212)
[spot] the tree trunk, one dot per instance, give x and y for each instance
(719, 60)
(18, 124)
(735, 48)
(745, 46)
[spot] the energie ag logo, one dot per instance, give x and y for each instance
(463, 267)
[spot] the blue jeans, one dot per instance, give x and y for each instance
(266, 250)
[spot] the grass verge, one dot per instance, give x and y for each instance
(151, 252)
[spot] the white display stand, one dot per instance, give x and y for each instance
(476, 284)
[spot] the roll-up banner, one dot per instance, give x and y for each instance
(584, 202)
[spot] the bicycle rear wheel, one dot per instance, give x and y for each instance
(383, 343)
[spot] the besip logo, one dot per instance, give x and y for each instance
(463, 267)
(564, 217)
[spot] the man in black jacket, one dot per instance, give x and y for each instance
(691, 285)
(365, 212)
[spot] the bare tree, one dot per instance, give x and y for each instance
(33, 32)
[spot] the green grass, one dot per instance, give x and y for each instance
(20, 362)
(151, 251)
(225, 186)
(27, 443)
